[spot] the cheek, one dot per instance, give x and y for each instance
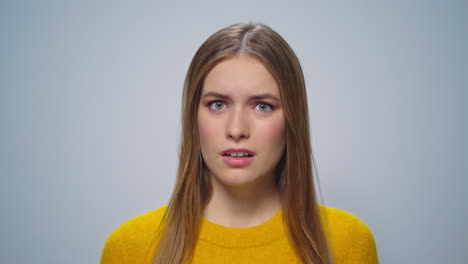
(274, 132)
(207, 131)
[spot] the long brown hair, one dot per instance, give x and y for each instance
(179, 229)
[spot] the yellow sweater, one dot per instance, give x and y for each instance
(350, 239)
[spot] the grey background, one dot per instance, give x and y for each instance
(90, 116)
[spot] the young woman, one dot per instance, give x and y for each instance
(244, 190)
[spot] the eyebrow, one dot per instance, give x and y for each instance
(254, 97)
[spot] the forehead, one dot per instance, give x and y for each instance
(240, 75)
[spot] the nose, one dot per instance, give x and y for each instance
(237, 125)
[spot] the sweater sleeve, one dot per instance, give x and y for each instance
(130, 242)
(112, 251)
(364, 249)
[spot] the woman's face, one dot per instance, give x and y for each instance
(229, 116)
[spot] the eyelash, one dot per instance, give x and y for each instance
(269, 105)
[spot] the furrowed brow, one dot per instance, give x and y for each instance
(255, 97)
(215, 94)
(264, 96)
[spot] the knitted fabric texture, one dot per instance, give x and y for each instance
(349, 238)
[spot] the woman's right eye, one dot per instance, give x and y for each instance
(216, 104)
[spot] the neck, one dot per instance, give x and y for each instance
(243, 206)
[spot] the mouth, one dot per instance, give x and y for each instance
(238, 153)
(237, 157)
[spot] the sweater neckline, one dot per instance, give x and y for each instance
(241, 237)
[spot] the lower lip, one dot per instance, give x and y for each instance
(237, 161)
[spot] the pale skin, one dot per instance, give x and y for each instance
(242, 196)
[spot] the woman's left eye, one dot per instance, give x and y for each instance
(265, 106)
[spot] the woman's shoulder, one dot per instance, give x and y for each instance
(348, 233)
(334, 217)
(140, 223)
(132, 235)
(143, 221)
(340, 221)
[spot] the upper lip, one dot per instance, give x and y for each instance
(238, 150)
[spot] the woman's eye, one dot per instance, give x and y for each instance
(262, 107)
(216, 104)
(265, 106)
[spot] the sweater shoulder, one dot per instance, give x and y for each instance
(133, 235)
(142, 222)
(338, 218)
(349, 236)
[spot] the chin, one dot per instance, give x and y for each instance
(235, 178)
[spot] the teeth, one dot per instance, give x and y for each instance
(237, 154)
